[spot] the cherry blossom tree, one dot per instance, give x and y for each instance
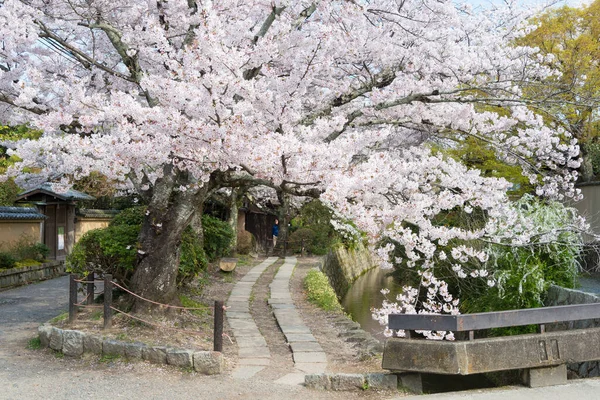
(340, 99)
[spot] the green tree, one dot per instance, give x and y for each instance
(571, 39)
(8, 189)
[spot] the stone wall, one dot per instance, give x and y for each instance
(343, 266)
(74, 343)
(559, 296)
(24, 275)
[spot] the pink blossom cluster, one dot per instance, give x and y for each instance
(346, 97)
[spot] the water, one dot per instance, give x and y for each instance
(365, 293)
(590, 283)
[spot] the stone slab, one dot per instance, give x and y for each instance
(380, 381)
(317, 381)
(241, 324)
(239, 315)
(254, 352)
(299, 337)
(493, 354)
(245, 283)
(156, 354)
(282, 306)
(255, 361)
(292, 379)
(310, 357)
(280, 301)
(246, 332)
(291, 315)
(292, 329)
(44, 332)
(311, 368)
(240, 298)
(134, 350)
(251, 341)
(231, 305)
(298, 347)
(208, 362)
(180, 358)
(92, 344)
(113, 347)
(246, 371)
(56, 339)
(347, 382)
(549, 376)
(72, 343)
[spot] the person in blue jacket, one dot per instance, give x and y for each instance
(275, 232)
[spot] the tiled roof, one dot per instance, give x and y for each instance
(70, 194)
(20, 213)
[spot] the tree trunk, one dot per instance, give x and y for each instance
(168, 214)
(283, 217)
(233, 219)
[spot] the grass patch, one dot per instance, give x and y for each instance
(59, 354)
(320, 292)
(186, 301)
(243, 259)
(228, 277)
(34, 343)
(97, 315)
(27, 263)
(106, 358)
(60, 317)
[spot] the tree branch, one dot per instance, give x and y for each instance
(80, 56)
(35, 110)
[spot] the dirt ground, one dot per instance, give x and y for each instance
(193, 329)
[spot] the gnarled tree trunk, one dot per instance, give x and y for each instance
(170, 211)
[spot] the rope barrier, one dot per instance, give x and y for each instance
(82, 301)
(89, 306)
(156, 325)
(159, 304)
(94, 281)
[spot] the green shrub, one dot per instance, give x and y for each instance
(110, 250)
(218, 236)
(7, 261)
(320, 292)
(114, 249)
(303, 237)
(524, 273)
(317, 217)
(245, 242)
(27, 248)
(133, 216)
(192, 258)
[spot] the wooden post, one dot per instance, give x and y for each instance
(218, 329)
(90, 288)
(72, 298)
(107, 301)
(302, 248)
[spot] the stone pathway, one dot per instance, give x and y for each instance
(308, 356)
(253, 352)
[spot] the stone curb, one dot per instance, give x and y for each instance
(33, 273)
(368, 345)
(74, 343)
(351, 382)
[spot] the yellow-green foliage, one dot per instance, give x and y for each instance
(320, 292)
(478, 154)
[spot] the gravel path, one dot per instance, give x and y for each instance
(41, 374)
